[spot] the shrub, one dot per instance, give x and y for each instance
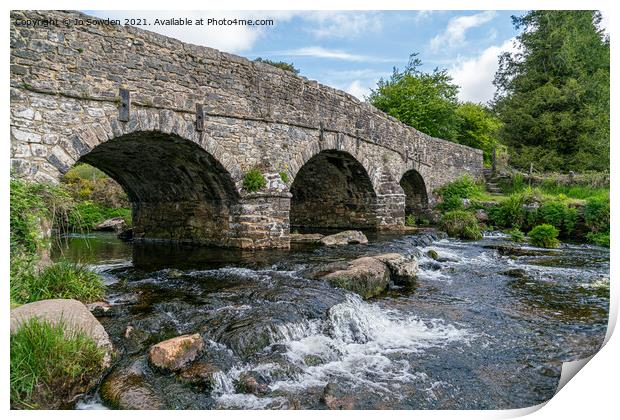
(47, 363)
(279, 64)
(516, 235)
(31, 205)
(558, 214)
(461, 224)
(545, 236)
(596, 214)
(463, 187)
(85, 182)
(410, 220)
(284, 177)
(62, 280)
(451, 203)
(254, 181)
(599, 238)
(509, 213)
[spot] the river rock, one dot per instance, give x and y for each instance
(125, 234)
(175, 353)
(519, 273)
(200, 373)
(115, 224)
(344, 238)
(126, 388)
(366, 276)
(250, 383)
(403, 270)
(99, 308)
(306, 237)
(517, 251)
(482, 215)
(431, 253)
(335, 399)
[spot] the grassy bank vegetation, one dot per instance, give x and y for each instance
(37, 210)
(574, 212)
(48, 362)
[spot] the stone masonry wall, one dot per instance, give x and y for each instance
(65, 84)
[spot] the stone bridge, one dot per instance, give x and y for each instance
(179, 126)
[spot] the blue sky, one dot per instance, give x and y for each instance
(352, 50)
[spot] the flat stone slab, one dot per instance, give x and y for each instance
(306, 237)
(344, 238)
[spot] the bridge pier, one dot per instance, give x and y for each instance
(262, 221)
(390, 211)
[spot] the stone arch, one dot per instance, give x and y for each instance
(416, 194)
(342, 143)
(82, 140)
(178, 190)
(333, 190)
(175, 178)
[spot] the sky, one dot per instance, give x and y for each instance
(352, 50)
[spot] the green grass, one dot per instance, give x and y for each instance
(599, 238)
(545, 236)
(86, 215)
(32, 205)
(461, 224)
(47, 363)
(62, 280)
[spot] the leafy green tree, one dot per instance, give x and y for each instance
(426, 101)
(477, 127)
(279, 64)
(553, 93)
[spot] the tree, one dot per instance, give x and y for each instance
(426, 101)
(279, 64)
(553, 94)
(477, 127)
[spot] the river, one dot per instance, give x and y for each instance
(485, 327)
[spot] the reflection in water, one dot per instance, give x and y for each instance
(95, 247)
(487, 325)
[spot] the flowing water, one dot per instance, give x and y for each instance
(485, 327)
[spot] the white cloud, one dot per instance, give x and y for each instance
(457, 27)
(475, 75)
(348, 25)
(358, 90)
(320, 52)
(229, 38)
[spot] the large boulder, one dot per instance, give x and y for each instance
(344, 238)
(175, 353)
(366, 276)
(403, 270)
(115, 224)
